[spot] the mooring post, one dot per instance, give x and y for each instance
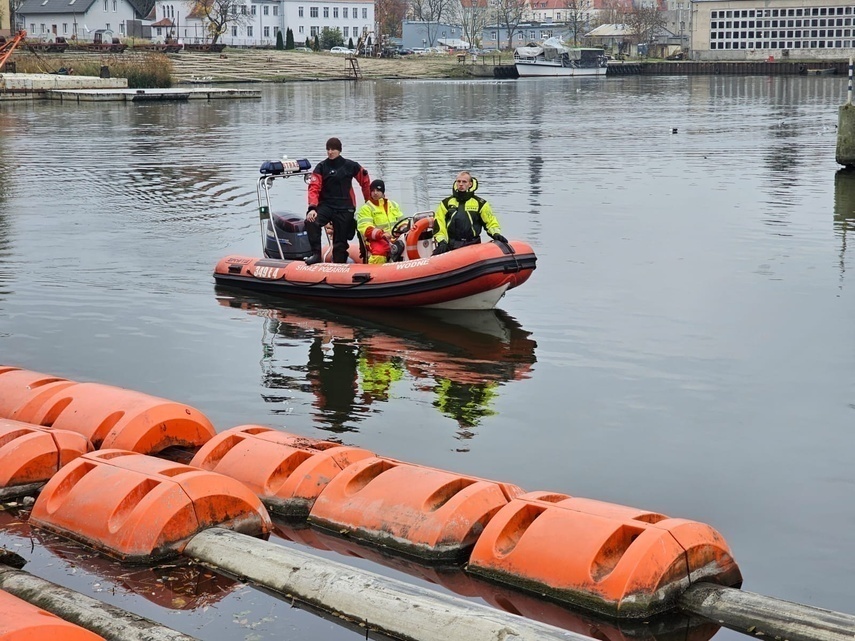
(845, 154)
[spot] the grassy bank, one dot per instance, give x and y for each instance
(151, 70)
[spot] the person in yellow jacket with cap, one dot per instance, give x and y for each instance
(374, 221)
(459, 219)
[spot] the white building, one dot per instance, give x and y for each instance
(256, 22)
(78, 19)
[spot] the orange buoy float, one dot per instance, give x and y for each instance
(415, 235)
(113, 417)
(419, 511)
(20, 621)
(20, 389)
(30, 455)
(287, 472)
(140, 508)
(616, 560)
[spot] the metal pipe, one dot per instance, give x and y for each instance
(766, 617)
(112, 623)
(392, 607)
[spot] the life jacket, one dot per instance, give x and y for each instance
(463, 216)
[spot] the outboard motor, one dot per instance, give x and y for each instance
(293, 240)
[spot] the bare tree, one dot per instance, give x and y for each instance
(578, 20)
(510, 14)
(432, 12)
(645, 22)
(612, 12)
(219, 15)
(389, 15)
(474, 15)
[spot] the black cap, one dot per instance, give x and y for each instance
(378, 184)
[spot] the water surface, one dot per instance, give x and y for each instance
(685, 345)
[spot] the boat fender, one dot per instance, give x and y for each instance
(419, 227)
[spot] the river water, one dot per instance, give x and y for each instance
(684, 346)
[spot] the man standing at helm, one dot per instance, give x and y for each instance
(460, 218)
(331, 200)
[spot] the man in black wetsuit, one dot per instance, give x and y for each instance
(331, 199)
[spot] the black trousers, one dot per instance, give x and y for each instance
(344, 229)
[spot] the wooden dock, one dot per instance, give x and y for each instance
(149, 95)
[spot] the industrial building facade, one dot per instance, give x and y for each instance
(779, 29)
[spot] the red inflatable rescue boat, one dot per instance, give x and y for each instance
(472, 277)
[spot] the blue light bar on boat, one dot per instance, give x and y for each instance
(285, 166)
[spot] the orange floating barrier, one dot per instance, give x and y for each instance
(30, 455)
(287, 472)
(113, 417)
(141, 508)
(20, 621)
(608, 558)
(423, 512)
(20, 389)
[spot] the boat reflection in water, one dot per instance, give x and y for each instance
(177, 585)
(356, 358)
(671, 627)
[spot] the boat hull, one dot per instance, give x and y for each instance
(541, 68)
(473, 277)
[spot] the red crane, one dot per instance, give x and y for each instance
(6, 48)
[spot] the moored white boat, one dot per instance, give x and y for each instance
(553, 58)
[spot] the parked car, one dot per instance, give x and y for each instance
(302, 49)
(342, 50)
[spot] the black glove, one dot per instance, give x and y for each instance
(441, 248)
(499, 237)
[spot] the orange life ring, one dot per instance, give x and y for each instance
(419, 227)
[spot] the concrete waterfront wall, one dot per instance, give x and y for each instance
(28, 83)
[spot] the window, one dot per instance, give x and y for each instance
(266, 32)
(313, 31)
(355, 13)
(243, 10)
(43, 28)
(346, 32)
(275, 9)
(249, 31)
(158, 31)
(335, 12)
(234, 32)
(275, 30)
(253, 10)
(364, 13)
(299, 12)
(107, 27)
(265, 10)
(105, 5)
(65, 27)
(326, 12)
(114, 6)
(344, 13)
(313, 12)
